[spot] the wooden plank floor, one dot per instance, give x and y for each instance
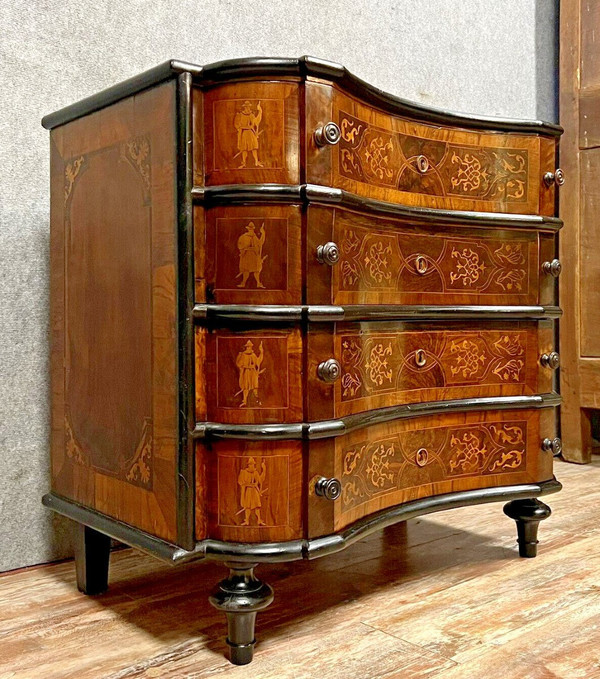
(442, 596)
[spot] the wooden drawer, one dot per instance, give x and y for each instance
(394, 159)
(405, 460)
(253, 255)
(384, 261)
(389, 364)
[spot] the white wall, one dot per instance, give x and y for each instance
(492, 58)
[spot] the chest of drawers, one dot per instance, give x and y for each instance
(288, 309)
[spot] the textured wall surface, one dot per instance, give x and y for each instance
(474, 55)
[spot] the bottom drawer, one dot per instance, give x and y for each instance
(396, 462)
(264, 491)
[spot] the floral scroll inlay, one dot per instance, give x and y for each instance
(71, 171)
(137, 153)
(468, 358)
(377, 261)
(377, 365)
(468, 267)
(383, 466)
(141, 470)
(470, 175)
(383, 157)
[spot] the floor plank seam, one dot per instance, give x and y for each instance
(417, 647)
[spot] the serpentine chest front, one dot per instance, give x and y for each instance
(289, 309)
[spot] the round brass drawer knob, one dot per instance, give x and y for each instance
(328, 134)
(330, 489)
(420, 358)
(329, 370)
(551, 360)
(552, 268)
(553, 446)
(557, 177)
(328, 253)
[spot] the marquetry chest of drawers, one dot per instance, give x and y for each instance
(288, 309)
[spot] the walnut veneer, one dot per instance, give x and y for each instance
(289, 309)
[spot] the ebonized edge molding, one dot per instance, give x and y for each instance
(274, 313)
(248, 194)
(344, 425)
(301, 68)
(274, 552)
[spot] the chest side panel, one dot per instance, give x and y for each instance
(114, 347)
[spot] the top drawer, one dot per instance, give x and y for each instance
(251, 133)
(385, 157)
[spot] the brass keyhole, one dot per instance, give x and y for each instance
(420, 358)
(421, 264)
(422, 164)
(422, 457)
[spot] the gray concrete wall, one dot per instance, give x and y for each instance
(492, 58)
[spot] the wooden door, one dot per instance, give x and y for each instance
(580, 210)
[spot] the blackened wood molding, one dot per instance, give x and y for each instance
(295, 549)
(248, 194)
(303, 67)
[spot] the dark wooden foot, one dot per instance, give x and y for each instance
(92, 553)
(527, 514)
(240, 597)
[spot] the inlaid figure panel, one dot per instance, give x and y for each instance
(405, 460)
(387, 364)
(248, 255)
(251, 133)
(251, 375)
(385, 261)
(391, 158)
(253, 490)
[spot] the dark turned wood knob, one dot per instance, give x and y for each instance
(329, 370)
(328, 253)
(552, 268)
(553, 446)
(557, 177)
(551, 360)
(330, 489)
(327, 134)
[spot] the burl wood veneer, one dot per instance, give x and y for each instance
(289, 309)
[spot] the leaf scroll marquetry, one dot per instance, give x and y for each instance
(374, 362)
(372, 260)
(377, 156)
(376, 468)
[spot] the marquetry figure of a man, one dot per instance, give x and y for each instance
(248, 364)
(250, 245)
(251, 482)
(247, 122)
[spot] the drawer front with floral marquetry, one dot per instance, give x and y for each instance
(390, 158)
(389, 464)
(383, 261)
(388, 364)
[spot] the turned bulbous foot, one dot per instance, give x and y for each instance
(240, 597)
(527, 514)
